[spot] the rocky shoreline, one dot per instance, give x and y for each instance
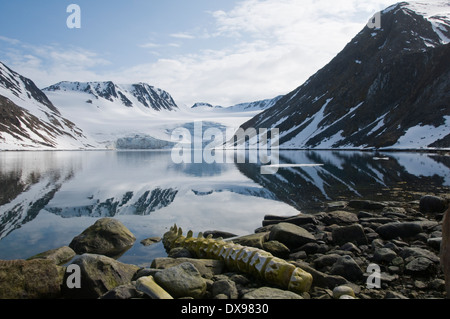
(357, 249)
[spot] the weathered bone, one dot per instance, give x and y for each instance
(249, 260)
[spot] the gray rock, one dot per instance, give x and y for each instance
(353, 233)
(321, 279)
(183, 280)
(384, 255)
(99, 274)
(208, 268)
(298, 255)
(435, 243)
(123, 292)
(150, 241)
(225, 287)
(270, 293)
(326, 260)
(310, 248)
(433, 204)
(399, 229)
(276, 248)
(31, 279)
(347, 267)
(437, 284)
(107, 237)
(339, 218)
(254, 240)
(420, 266)
(180, 252)
(343, 290)
(59, 256)
(407, 252)
(291, 235)
(145, 272)
(351, 247)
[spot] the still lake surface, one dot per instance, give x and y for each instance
(47, 198)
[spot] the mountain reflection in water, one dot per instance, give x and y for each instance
(47, 198)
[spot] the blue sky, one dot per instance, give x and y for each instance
(218, 51)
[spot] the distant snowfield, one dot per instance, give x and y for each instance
(106, 122)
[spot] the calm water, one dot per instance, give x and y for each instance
(47, 198)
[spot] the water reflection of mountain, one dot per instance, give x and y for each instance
(108, 184)
(26, 199)
(344, 175)
(127, 204)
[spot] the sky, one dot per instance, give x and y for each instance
(221, 52)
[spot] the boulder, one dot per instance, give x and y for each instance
(343, 290)
(99, 274)
(291, 235)
(421, 266)
(123, 292)
(183, 280)
(321, 279)
(340, 218)
(30, 279)
(433, 204)
(253, 240)
(416, 252)
(326, 260)
(399, 229)
(59, 256)
(277, 249)
(384, 255)
(349, 234)
(208, 268)
(225, 287)
(346, 267)
(107, 237)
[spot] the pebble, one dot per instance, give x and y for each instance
(341, 291)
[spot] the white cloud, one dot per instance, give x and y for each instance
(182, 36)
(149, 45)
(276, 46)
(49, 64)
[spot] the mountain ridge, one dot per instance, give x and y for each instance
(30, 121)
(381, 82)
(129, 95)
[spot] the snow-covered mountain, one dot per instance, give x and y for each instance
(30, 121)
(257, 106)
(388, 88)
(141, 95)
(124, 115)
(254, 106)
(205, 106)
(135, 116)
